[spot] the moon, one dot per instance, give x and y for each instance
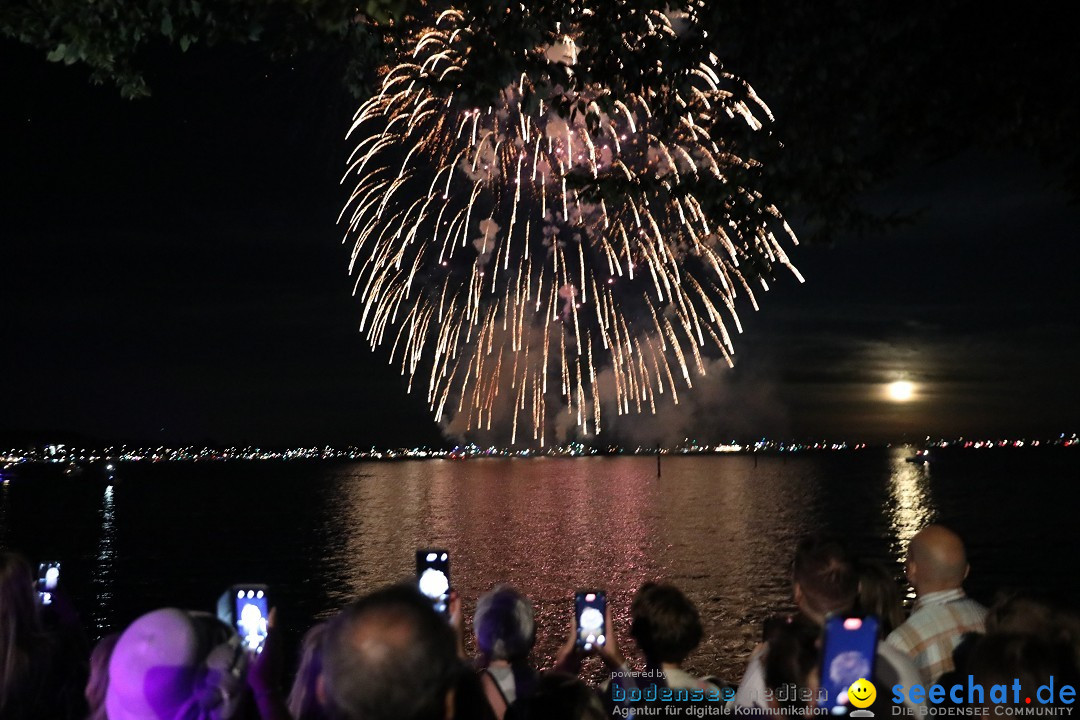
(900, 391)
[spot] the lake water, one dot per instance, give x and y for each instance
(721, 528)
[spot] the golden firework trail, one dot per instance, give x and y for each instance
(503, 285)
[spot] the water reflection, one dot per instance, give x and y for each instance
(376, 517)
(911, 508)
(724, 533)
(5, 500)
(105, 561)
(722, 529)
(547, 526)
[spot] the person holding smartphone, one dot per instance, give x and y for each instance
(41, 675)
(824, 584)
(666, 627)
(570, 656)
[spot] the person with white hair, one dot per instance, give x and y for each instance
(505, 632)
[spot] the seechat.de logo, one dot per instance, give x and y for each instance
(972, 698)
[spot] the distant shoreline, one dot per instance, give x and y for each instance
(59, 458)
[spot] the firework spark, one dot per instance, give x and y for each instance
(499, 279)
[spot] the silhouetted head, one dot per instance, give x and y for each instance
(504, 625)
(18, 607)
(19, 622)
(792, 659)
(174, 663)
(879, 594)
(824, 578)
(303, 698)
(1005, 658)
(1013, 614)
(1019, 615)
(389, 656)
(98, 684)
(936, 560)
(664, 623)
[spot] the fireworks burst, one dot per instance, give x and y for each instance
(507, 254)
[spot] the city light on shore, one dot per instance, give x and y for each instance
(108, 457)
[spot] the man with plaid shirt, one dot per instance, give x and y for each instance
(936, 567)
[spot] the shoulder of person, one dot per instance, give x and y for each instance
(897, 667)
(900, 637)
(751, 687)
(974, 604)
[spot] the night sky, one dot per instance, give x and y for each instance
(172, 272)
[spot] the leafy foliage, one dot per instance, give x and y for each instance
(860, 90)
(112, 37)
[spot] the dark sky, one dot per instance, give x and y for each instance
(172, 272)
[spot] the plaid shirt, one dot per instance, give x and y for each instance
(937, 624)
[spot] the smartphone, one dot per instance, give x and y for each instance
(848, 651)
(247, 608)
(433, 577)
(48, 577)
(590, 607)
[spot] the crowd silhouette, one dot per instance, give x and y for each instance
(390, 655)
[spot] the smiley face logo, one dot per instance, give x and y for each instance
(862, 693)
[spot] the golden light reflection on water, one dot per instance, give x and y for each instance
(731, 528)
(722, 529)
(373, 511)
(548, 526)
(723, 532)
(911, 508)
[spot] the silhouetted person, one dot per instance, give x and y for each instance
(390, 656)
(98, 683)
(667, 628)
(558, 695)
(42, 672)
(879, 595)
(1008, 658)
(1012, 613)
(303, 700)
(173, 663)
(824, 581)
(792, 663)
(1020, 632)
(936, 567)
(505, 632)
